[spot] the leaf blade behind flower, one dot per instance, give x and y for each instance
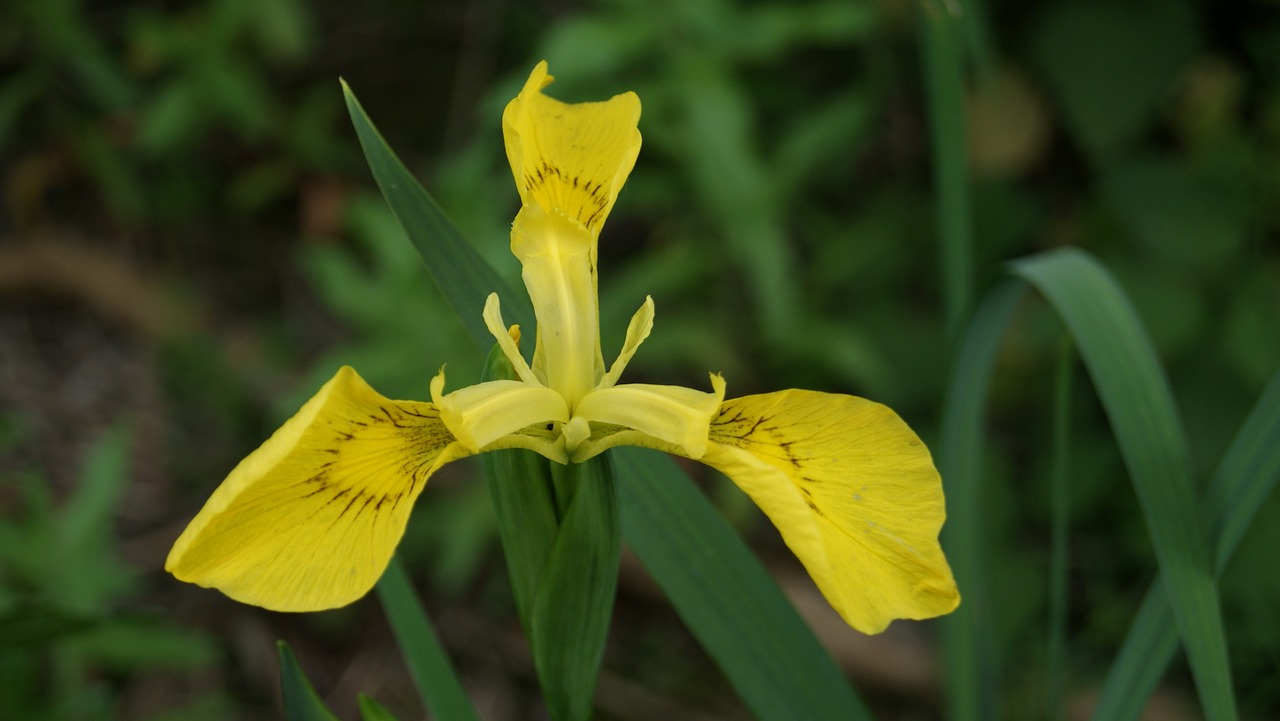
(462, 275)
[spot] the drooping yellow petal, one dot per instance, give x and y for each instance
(570, 159)
(310, 520)
(854, 494)
(481, 414)
(672, 415)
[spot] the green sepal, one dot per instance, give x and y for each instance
(574, 601)
(301, 702)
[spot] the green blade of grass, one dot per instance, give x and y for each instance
(1059, 482)
(301, 702)
(943, 60)
(1246, 476)
(968, 654)
(718, 587)
(465, 279)
(1139, 405)
(729, 602)
(371, 710)
(434, 677)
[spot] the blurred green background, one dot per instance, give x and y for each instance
(190, 245)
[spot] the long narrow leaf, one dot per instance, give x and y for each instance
(967, 651)
(943, 60)
(455, 266)
(1246, 476)
(729, 602)
(1139, 405)
(1059, 480)
(429, 666)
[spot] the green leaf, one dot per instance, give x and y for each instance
(87, 516)
(944, 76)
(437, 683)
(1139, 405)
(371, 710)
(967, 632)
(725, 597)
(1245, 478)
(1059, 481)
(569, 622)
(464, 278)
(525, 505)
(301, 703)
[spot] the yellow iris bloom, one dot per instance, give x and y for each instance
(311, 519)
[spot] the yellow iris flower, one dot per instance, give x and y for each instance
(311, 519)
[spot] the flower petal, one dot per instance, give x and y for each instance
(637, 330)
(507, 339)
(670, 414)
(854, 494)
(557, 259)
(481, 414)
(310, 520)
(570, 159)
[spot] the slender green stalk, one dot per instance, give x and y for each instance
(1059, 528)
(968, 653)
(943, 61)
(434, 677)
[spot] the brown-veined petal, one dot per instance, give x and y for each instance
(310, 519)
(570, 159)
(852, 491)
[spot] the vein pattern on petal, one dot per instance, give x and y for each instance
(310, 519)
(570, 159)
(854, 494)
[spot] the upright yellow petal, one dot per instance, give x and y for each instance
(570, 159)
(854, 494)
(557, 259)
(310, 520)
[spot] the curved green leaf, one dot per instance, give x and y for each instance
(1245, 478)
(462, 275)
(729, 602)
(429, 666)
(1139, 405)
